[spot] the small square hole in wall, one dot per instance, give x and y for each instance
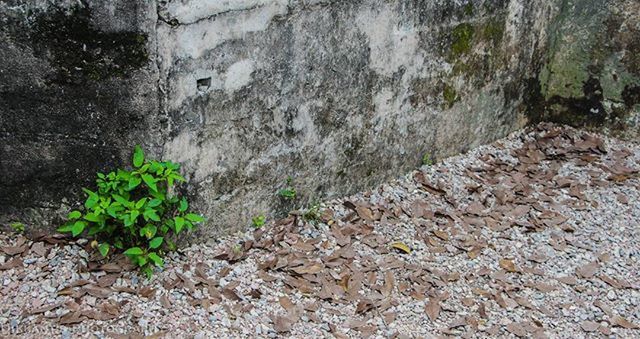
(203, 84)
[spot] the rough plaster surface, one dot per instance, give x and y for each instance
(593, 74)
(338, 95)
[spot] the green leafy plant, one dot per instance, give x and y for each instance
(17, 227)
(426, 159)
(312, 214)
(288, 193)
(135, 211)
(258, 221)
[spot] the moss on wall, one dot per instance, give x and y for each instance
(592, 66)
(81, 52)
(461, 36)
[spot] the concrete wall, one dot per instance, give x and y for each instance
(592, 75)
(78, 88)
(337, 95)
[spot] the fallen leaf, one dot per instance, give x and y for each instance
(281, 324)
(286, 303)
(589, 326)
(516, 329)
(588, 271)
(165, 301)
(39, 249)
(107, 280)
(230, 294)
(508, 265)
(45, 308)
(13, 250)
(432, 307)
(97, 291)
(622, 322)
(364, 306)
(147, 292)
(365, 213)
(13, 263)
(401, 246)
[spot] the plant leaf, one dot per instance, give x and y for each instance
(155, 242)
(78, 227)
(65, 228)
(104, 249)
(134, 251)
(194, 217)
(154, 203)
(179, 223)
(138, 156)
(183, 205)
(92, 217)
(150, 181)
(156, 259)
(151, 214)
(134, 182)
(73, 215)
(140, 203)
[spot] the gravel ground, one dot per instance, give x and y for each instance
(536, 235)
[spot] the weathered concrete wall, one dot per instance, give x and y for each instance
(592, 76)
(77, 90)
(338, 95)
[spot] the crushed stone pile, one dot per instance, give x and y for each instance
(536, 235)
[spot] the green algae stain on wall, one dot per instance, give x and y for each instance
(461, 36)
(591, 66)
(80, 52)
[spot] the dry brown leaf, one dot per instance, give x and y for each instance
(230, 294)
(286, 303)
(516, 329)
(308, 269)
(617, 320)
(432, 307)
(588, 271)
(13, 263)
(165, 301)
(441, 234)
(97, 291)
(13, 250)
(147, 292)
(589, 326)
(281, 324)
(508, 265)
(39, 249)
(365, 213)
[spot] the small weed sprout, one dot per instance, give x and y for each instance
(426, 159)
(288, 193)
(312, 214)
(17, 227)
(135, 211)
(258, 221)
